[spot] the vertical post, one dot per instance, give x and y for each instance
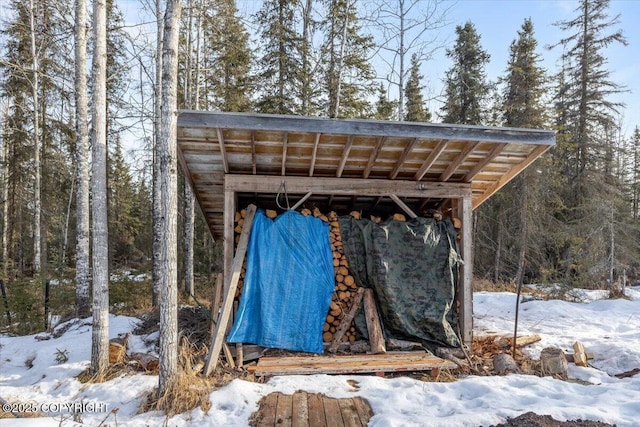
(46, 305)
(465, 292)
(228, 242)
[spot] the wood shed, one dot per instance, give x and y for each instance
(234, 159)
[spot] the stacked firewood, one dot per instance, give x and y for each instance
(345, 285)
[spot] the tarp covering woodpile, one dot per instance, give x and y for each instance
(412, 268)
(288, 284)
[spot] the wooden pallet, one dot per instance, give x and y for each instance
(303, 409)
(402, 361)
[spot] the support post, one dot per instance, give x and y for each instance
(228, 242)
(465, 291)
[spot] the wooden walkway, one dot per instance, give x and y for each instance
(401, 361)
(304, 409)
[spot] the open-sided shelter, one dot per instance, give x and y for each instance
(233, 159)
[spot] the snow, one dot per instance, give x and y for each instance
(30, 373)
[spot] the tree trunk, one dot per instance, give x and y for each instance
(167, 156)
(100, 335)
(497, 265)
(157, 242)
(82, 162)
(37, 196)
(524, 224)
(5, 204)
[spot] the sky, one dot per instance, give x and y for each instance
(498, 21)
(29, 373)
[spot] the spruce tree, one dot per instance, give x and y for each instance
(466, 86)
(384, 109)
(280, 62)
(348, 74)
(416, 111)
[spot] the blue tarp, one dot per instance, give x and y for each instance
(288, 284)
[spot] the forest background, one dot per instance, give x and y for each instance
(572, 217)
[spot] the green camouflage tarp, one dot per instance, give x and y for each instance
(413, 269)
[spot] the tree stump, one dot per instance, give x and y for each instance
(504, 364)
(553, 362)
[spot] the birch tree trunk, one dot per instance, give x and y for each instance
(167, 219)
(82, 162)
(100, 333)
(157, 243)
(5, 205)
(37, 197)
(188, 193)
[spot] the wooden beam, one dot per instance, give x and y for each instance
(254, 168)
(466, 151)
(284, 153)
(431, 159)
(231, 285)
(373, 156)
(223, 150)
(345, 156)
(376, 338)
(345, 186)
(423, 204)
(301, 201)
(314, 154)
(537, 152)
(403, 205)
(465, 291)
(215, 304)
(228, 241)
(345, 323)
(495, 151)
(403, 158)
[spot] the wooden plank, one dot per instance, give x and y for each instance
(215, 304)
(300, 411)
(345, 186)
(350, 416)
(227, 306)
(365, 359)
(431, 159)
(403, 157)
(284, 410)
(313, 154)
(374, 328)
(515, 170)
(373, 157)
(268, 410)
(332, 412)
(485, 161)
(285, 140)
(316, 411)
(465, 291)
(228, 355)
(345, 323)
(466, 151)
(364, 410)
(223, 150)
(403, 205)
(345, 156)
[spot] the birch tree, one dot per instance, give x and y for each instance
(157, 242)
(82, 161)
(37, 196)
(100, 334)
(167, 217)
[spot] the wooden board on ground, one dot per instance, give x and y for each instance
(304, 409)
(401, 361)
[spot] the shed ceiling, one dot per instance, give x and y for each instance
(213, 144)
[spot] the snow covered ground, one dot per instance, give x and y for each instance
(41, 375)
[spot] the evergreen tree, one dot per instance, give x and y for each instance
(228, 79)
(416, 111)
(345, 50)
(384, 109)
(466, 87)
(280, 63)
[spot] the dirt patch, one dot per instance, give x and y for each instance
(531, 419)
